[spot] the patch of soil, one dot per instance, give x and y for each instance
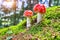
(20, 36)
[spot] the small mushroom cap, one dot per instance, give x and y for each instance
(28, 13)
(40, 8)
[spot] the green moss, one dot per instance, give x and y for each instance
(49, 28)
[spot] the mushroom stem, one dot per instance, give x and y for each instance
(39, 17)
(28, 22)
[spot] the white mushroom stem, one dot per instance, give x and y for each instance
(28, 22)
(39, 17)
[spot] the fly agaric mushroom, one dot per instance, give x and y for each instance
(39, 9)
(28, 14)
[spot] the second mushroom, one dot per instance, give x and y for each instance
(39, 9)
(28, 14)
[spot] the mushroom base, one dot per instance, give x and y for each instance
(28, 22)
(39, 17)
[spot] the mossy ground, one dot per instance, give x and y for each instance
(47, 29)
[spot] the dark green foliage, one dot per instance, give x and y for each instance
(0, 22)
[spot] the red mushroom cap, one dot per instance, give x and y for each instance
(36, 7)
(39, 8)
(28, 13)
